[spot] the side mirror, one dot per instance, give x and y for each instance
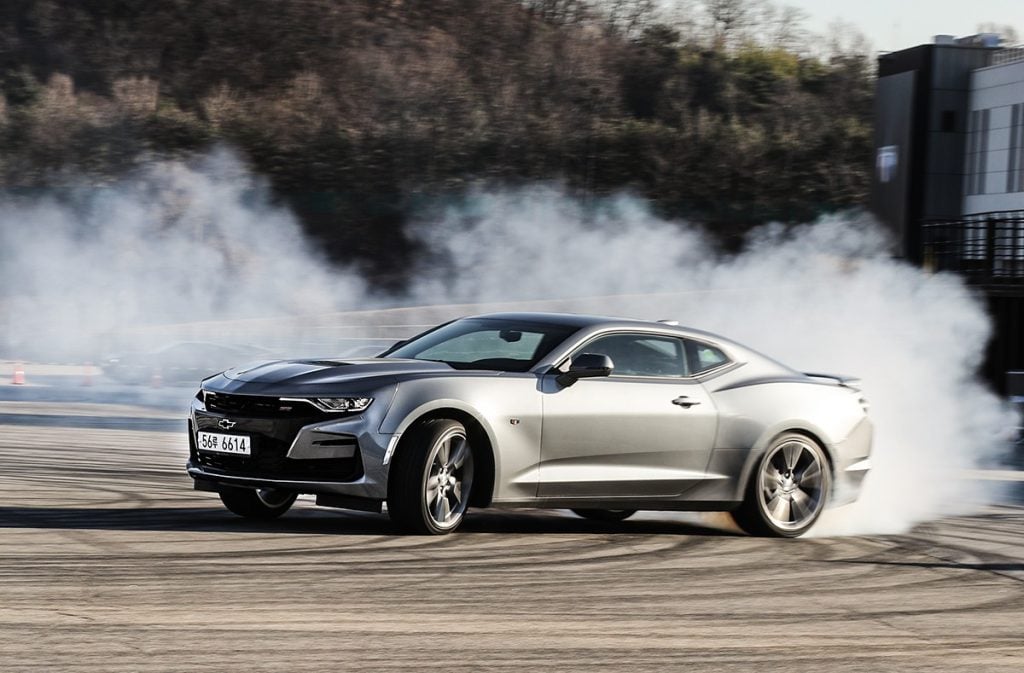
(586, 366)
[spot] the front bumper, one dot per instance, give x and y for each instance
(302, 451)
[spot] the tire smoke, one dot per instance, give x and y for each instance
(826, 297)
(188, 242)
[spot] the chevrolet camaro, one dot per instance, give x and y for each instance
(602, 416)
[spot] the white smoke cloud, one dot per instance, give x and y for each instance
(821, 297)
(177, 242)
(193, 242)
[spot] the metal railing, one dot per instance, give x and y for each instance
(987, 248)
(1008, 55)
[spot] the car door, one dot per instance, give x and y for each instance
(647, 430)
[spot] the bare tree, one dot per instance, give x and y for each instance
(558, 11)
(782, 27)
(844, 39)
(629, 17)
(727, 19)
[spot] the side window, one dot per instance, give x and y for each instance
(703, 356)
(640, 354)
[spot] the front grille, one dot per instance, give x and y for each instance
(270, 440)
(255, 406)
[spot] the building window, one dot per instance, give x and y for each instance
(977, 151)
(1015, 167)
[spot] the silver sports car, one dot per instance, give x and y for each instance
(602, 416)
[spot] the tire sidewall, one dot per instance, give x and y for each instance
(410, 472)
(247, 503)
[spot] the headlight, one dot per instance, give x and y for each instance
(342, 403)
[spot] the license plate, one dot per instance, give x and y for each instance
(218, 443)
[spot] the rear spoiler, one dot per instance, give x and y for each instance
(851, 382)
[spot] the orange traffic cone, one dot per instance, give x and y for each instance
(19, 375)
(87, 379)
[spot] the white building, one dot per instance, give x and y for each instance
(994, 170)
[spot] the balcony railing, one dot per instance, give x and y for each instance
(1008, 55)
(987, 249)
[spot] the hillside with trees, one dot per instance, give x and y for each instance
(361, 112)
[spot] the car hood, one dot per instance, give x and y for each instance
(319, 372)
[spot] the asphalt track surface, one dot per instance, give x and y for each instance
(110, 562)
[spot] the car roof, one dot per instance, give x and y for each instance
(583, 321)
(597, 323)
(567, 319)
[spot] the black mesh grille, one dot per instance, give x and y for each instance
(253, 406)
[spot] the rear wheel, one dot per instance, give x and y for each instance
(259, 503)
(787, 492)
(605, 514)
(431, 478)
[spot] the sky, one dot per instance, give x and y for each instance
(897, 24)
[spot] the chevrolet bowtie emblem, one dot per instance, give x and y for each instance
(227, 424)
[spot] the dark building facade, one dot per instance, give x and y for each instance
(949, 172)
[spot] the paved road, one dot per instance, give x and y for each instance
(109, 562)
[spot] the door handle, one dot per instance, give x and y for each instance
(685, 402)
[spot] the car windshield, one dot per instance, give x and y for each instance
(485, 343)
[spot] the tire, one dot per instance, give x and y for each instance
(605, 514)
(788, 490)
(251, 503)
(431, 478)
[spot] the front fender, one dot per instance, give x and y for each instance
(507, 409)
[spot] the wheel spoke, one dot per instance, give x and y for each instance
(460, 452)
(457, 492)
(446, 508)
(781, 510)
(792, 453)
(438, 507)
(802, 505)
(444, 451)
(811, 476)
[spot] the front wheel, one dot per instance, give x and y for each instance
(787, 491)
(431, 478)
(258, 503)
(605, 514)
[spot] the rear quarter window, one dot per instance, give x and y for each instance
(704, 357)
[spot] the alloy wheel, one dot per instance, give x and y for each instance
(448, 479)
(791, 485)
